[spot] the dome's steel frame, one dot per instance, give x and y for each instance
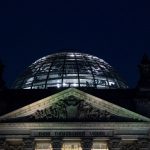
(69, 69)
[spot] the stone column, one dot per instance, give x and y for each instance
(28, 144)
(144, 144)
(115, 144)
(56, 143)
(86, 143)
(2, 143)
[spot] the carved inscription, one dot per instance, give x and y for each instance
(72, 133)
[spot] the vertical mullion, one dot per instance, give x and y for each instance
(49, 71)
(90, 69)
(104, 72)
(65, 56)
(42, 63)
(77, 65)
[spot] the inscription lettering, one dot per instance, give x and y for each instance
(73, 134)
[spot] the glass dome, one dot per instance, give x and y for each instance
(69, 69)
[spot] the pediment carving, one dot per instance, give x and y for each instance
(72, 105)
(71, 109)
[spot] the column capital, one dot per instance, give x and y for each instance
(115, 144)
(2, 143)
(28, 144)
(143, 143)
(86, 143)
(130, 146)
(56, 143)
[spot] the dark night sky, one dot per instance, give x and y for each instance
(116, 31)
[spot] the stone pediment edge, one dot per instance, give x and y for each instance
(38, 105)
(94, 101)
(113, 108)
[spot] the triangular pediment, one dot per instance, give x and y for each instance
(72, 105)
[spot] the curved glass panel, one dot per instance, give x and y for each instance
(69, 69)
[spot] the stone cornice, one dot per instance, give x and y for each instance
(75, 125)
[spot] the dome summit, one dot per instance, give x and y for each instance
(69, 69)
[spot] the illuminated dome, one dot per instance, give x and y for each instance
(69, 69)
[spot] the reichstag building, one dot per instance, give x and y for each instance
(75, 101)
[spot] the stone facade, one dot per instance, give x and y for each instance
(23, 128)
